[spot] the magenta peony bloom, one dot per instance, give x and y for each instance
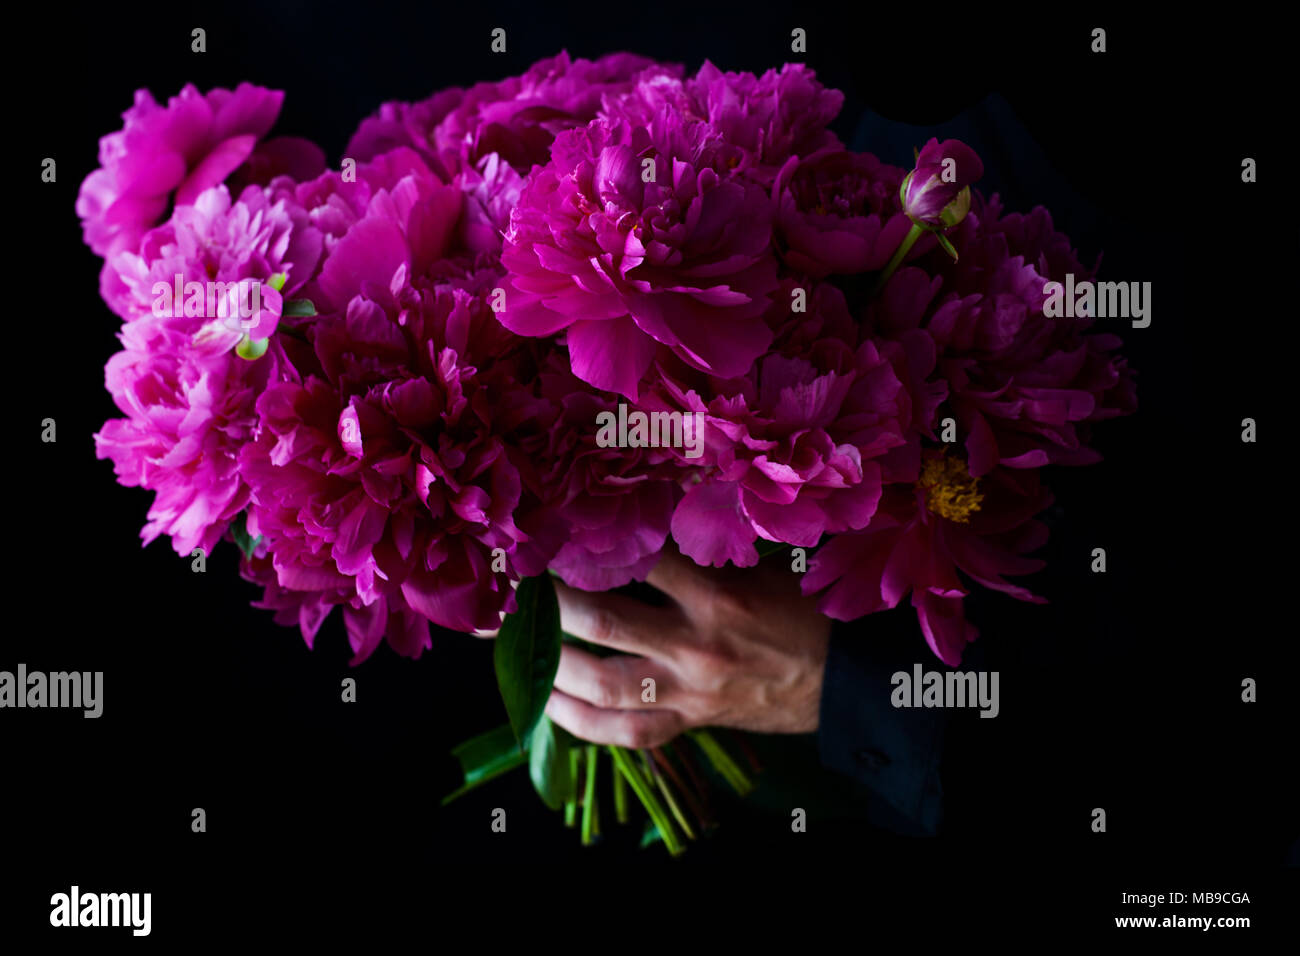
(507, 266)
(166, 154)
(624, 263)
(838, 212)
(516, 118)
(1024, 388)
(780, 114)
(492, 189)
(921, 536)
(188, 412)
(794, 450)
(761, 121)
(616, 502)
(389, 479)
(242, 246)
(299, 159)
(334, 204)
(188, 399)
(409, 125)
(409, 219)
(936, 193)
(367, 626)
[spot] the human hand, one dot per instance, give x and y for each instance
(737, 647)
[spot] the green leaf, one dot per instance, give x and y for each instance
(278, 280)
(527, 654)
(486, 756)
(548, 763)
(238, 528)
(296, 308)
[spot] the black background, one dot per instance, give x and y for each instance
(1122, 693)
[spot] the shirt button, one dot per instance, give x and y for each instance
(872, 759)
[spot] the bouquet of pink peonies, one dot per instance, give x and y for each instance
(540, 326)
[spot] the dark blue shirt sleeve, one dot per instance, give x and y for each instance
(895, 753)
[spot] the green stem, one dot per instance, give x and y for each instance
(589, 796)
(722, 761)
(665, 766)
(625, 764)
(900, 254)
(668, 798)
(698, 781)
(620, 797)
(571, 806)
(738, 738)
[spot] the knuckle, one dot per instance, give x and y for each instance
(730, 604)
(671, 729)
(693, 709)
(605, 692)
(604, 625)
(711, 657)
(649, 733)
(637, 734)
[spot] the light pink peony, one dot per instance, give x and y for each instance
(187, 398)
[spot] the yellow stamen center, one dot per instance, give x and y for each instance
(950, 491)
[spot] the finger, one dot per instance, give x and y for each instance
(620, 728)
(616, 621)
(681, 579)
(612, 683)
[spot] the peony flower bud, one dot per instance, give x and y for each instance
(936, 194)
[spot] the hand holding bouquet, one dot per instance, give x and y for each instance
(390, 383)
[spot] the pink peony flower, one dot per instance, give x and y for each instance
(492, 189)
(390, 479)
(188, 400)
(367, 626)
(391, 483)
(838, 212)
(334, 204)
(616, 502)
(215, 241)
(397, 214)
(921, 536)
(165, 154)
(514, 261)
(409, 125)
(516, 118)
(1024, 388)
(793, 450)
(299, 159)
(188, 411)
(936, 193)
(761, 121)
(625, 263)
